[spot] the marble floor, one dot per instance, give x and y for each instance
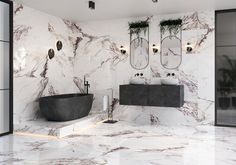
(125, 144)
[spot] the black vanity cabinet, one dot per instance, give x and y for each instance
(134, 95)
(152, 95)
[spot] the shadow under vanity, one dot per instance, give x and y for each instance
(152, 95)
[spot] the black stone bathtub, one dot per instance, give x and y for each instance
(66, 107)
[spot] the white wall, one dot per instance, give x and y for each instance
(92, 49)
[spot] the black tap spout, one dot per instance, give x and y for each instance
(86, 85)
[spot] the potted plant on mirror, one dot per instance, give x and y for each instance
(139, 44)
(138, 27)
(227, 83)
(172, 26)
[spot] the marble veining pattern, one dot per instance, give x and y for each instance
(91, 49)
(125, 143)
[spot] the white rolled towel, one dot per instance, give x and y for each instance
(105, 102)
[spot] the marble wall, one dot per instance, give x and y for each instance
(91, 49)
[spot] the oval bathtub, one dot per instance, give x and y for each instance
(66, 107)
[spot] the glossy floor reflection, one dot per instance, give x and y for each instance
(126, 144)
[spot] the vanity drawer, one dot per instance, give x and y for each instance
(173, 95)
(134, 95)
(156, 96)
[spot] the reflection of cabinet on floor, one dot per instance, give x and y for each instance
(152, 95)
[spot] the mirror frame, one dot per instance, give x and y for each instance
(148, 51)
(181, 51)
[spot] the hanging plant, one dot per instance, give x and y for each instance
(172, 26)
(138, 27)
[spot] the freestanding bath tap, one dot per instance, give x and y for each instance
(86, 85)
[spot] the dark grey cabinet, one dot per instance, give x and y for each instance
(134, 94)
(156, 93)
(152, 95)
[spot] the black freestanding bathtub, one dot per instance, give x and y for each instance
(66, 107)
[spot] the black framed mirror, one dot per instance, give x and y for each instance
(139, 45)
(171, 43)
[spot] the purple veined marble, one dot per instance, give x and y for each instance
(92, 49)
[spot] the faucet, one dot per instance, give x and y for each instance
(112, 99)
(86, 85)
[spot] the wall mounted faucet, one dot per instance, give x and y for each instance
(138, 74)
(86, 85)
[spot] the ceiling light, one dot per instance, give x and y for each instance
(92, 5)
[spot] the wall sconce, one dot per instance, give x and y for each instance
(51, 53)
(122, 50)
(59, 45)
(189, 47)
(154, 49)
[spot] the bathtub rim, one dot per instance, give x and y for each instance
(66, 96)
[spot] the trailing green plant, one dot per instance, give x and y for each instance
(173, 26)
(227, 82)
(138, 27)
(224, 86)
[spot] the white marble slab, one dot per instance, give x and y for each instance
(91, 49)
(57, 129)
(125, 143)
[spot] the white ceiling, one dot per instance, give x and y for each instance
(77, 10)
